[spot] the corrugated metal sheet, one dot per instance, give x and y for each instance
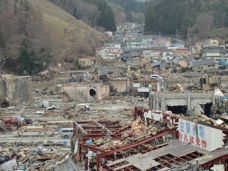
(176, 148)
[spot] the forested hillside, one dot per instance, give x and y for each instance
(189, 17)
(96, 13)
(37, 33)
(132, 10)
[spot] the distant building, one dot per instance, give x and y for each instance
(202, 65)
(108, 53)
(87, 61)
(182, 52)
(212, 42)
(215, 52)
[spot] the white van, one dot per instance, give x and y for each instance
(66, 132)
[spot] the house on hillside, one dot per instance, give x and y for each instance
(164, 41)
(87, 61)
(146, 38)
(117, 45)
(118, 36)
(182, 52)
(203, 65)
(108, 53)
(133, 44)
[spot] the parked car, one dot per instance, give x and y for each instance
(66, 132)
(156, 77)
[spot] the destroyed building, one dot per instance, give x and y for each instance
(15, 89)
(155, 140)
(120, 85)
(181, 102)
(85, 92)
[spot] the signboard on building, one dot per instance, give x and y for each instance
(201, 136)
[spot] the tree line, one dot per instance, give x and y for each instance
(188, 17)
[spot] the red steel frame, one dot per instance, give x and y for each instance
(139, 111)
(115, 131)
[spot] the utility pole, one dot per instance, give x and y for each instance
(177, 33)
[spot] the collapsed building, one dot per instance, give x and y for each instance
(15, 89)
(85, 92)
(182, 102)
(154, 141)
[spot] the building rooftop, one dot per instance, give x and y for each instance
(202, 62)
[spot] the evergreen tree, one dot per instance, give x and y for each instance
(106, 19)
(30, 61)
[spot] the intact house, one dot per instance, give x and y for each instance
(200, 45)
(146, 38)
(202, 64)
(156, 45)
(164, 41)
(129, 37)
(117, 45)
(108, 53)
(182, 52)
(218, 53)
(150, 54)
(134, 44)
(87, 61)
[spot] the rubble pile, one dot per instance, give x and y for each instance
(137, 131)
(30, 156)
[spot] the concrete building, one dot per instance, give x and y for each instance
(178, 102)
(15, 89)
(120, 84)
(203, 65)
(85, 92)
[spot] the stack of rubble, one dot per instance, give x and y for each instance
(22, 157)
